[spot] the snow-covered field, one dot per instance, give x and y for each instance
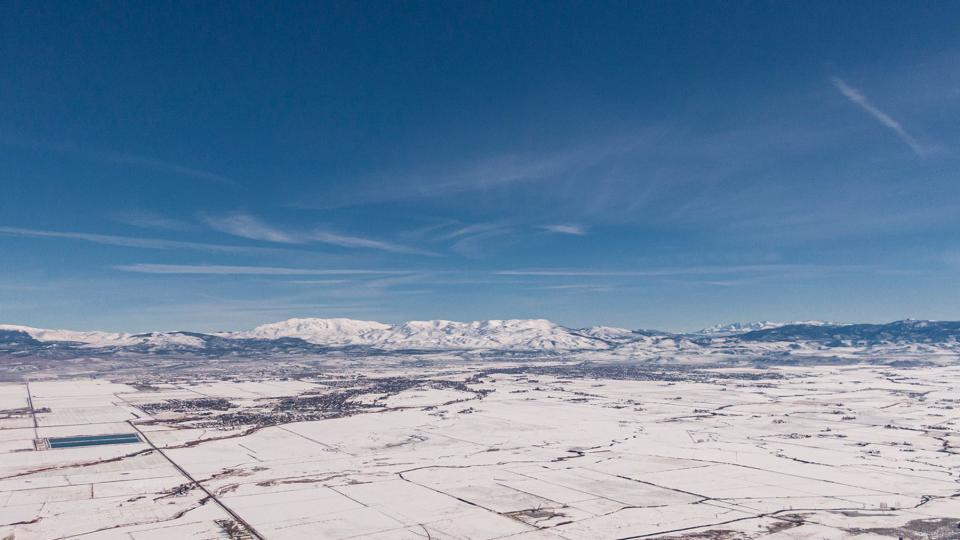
(486, 449)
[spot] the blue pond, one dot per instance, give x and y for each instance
(93, 440)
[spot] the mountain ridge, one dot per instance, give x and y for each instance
(314, 335)
(431, 334)
(744, 327)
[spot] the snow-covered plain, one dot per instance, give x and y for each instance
(446, 446)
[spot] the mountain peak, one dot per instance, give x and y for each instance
(336, 331)
(430, 334)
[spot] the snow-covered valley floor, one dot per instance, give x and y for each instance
(484, 450)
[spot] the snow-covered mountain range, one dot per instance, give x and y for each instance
(515, 334)
(744, 327)
(530, 336)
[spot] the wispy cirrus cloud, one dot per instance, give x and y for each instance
(461, 231)
(135, 242)
(466, 239)
(581, 287)
(857, 97)
(164, 166)
(368, 243)
(577, 230)
(317, 281)
(251, 227)
(247, 226)
(146, 219)
(473, 240)
(113, 157)
(494, 171)
(476, 240)
(691, 270)
(216, 269)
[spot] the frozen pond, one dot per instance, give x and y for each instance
(93, 440)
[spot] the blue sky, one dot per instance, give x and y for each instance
(648, 164)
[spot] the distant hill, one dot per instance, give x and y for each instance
(906, 331)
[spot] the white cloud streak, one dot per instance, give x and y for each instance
(247, 270)
(469, 240)
(692, 270)
(250, 227)
(581, 288)
(471, 230)
(857, 97)
(247, 226)
(318, 281)
(358, 242)
(113, 157)
(145, 219)
(577, 230)
(134, 242)
(164, 166)
(490, 173)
